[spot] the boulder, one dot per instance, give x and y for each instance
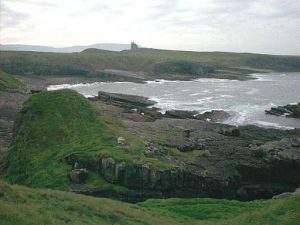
(213, 116)
(35, 91)
(76, 165)
(295, 142)
(121, 140)
(283, 195)
(78, 175)
(120, 170)
(108, 169)
(149, 153)
(235, 132)
(180, 114)
(123, 100)
(287, 110)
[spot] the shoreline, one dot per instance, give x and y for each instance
(259, 77)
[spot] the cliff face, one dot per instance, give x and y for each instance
(266, 170)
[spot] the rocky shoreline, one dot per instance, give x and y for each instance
(205, 159)
(144, 106)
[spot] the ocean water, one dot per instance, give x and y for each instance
(244, 100)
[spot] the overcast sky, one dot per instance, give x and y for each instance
(263, 26)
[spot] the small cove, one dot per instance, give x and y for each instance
(244, 100)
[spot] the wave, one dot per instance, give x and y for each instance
(271, 125)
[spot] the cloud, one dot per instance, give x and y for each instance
(268, 26)
(11, 18)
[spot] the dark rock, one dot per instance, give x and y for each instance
(235, 132)
(108, 169)
(149, 153)
(288, 111)
(120, 171)
(150, 112)
(185, 144)
(76, 165)
(283, 195)
(71, 159)
(213, 116)
(180, 114)
(35, 91)
(128, 101)
(295, 142)
(78, 175)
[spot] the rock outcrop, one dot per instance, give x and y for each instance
(288, 111)
(126, 101)
(286, 194)
(78, 175)
(180, 114)
(213, 116)
(146, 177)
(235, 132)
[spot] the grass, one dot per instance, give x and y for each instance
(56, 124)
(20, 206)
(8, 82)
(89, 63)
(23, 205)
(218, 211)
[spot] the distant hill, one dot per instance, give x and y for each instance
(77, 48)
(92, 62)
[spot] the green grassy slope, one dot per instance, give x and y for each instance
(218, 211)
(25, 206)
(8, 82)
(90, 62)
(20, 205)
(54, 125)
(50, 126)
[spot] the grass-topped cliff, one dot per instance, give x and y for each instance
(50, 126)
(91, 62)
(22, 205)
(55, 129)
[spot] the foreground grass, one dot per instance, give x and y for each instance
(8, 82)
(21, 205)
(218, 211)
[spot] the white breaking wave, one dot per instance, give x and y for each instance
(271, 125)
(245, 100)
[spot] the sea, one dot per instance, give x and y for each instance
(246, 101)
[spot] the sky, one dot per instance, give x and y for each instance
(261, 26)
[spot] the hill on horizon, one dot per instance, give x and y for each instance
(70, 49)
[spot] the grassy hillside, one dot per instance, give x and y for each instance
(215, 211)
(8, 82)
(55, 126)
(50, 126)
(20, 205)
(24, 206)
(90, 62)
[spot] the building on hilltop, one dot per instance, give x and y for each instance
(134, 46)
